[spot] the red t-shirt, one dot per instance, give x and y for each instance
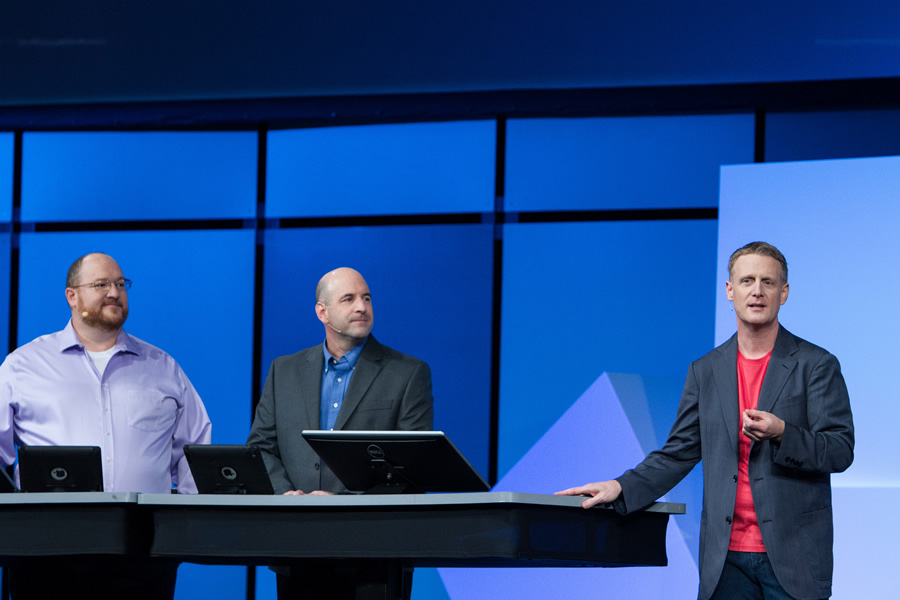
(745, 534)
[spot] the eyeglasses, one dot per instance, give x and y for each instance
(102, 285)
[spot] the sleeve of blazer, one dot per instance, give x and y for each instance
(664, 468)
(824, 442)
(263, 435)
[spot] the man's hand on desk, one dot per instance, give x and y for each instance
(302, 493)
(601, 492)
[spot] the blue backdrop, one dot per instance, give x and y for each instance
(601, 316)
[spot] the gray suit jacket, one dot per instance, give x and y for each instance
(388, 390)
(790, 482)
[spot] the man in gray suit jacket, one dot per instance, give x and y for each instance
(350, 382)
(769, 415)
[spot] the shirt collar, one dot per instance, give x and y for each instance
(352, 356)
(69, 339)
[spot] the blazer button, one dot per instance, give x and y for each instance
(317, 466)
(734, 478)
(728, 520)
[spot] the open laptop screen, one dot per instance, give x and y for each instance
(228, 469)
(60, 469)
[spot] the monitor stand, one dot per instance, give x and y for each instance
(396, 481)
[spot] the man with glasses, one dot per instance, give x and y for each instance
(93, 384)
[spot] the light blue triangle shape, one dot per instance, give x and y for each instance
(593, 440)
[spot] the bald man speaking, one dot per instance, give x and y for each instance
(349, 382)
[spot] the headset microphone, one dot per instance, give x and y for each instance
(335, 328)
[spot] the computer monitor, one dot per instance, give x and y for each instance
(228, 469)
(60, 469)
(385, 462)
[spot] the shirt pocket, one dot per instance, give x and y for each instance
(150, 412)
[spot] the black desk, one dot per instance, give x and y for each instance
(388, 535)
(494, 529)
(77, 523)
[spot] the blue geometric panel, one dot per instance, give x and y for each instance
(221, 582)
(648, 403)
(593, 440)
(865, 541)
(427, 585)
(822, 135)
(416, 168)
(583, 298)
(104, 176)
(622, 163)
(6, 177)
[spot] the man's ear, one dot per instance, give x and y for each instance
(70, 298)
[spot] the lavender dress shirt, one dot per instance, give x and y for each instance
(141, 410)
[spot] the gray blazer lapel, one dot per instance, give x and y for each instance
(367, 368)
(311, 388)
(725, 373)
(781, 364)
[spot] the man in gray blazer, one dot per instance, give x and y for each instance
(769, 415)
(350, 382)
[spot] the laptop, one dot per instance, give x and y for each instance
(228, 469)
(60, 469)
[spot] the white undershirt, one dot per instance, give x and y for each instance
(101, 359)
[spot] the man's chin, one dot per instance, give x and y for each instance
(110, 326)
(98, 321)
(359, 334)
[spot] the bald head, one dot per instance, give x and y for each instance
(341, 277)
(344, 305)
(92, 259)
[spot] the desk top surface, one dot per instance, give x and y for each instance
(69, 498)
(384, 500)
(339, 501)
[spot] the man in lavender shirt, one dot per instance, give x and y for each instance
(92, 384)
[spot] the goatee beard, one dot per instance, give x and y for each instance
(97, 320)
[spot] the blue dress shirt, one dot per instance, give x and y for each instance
(335, 380)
